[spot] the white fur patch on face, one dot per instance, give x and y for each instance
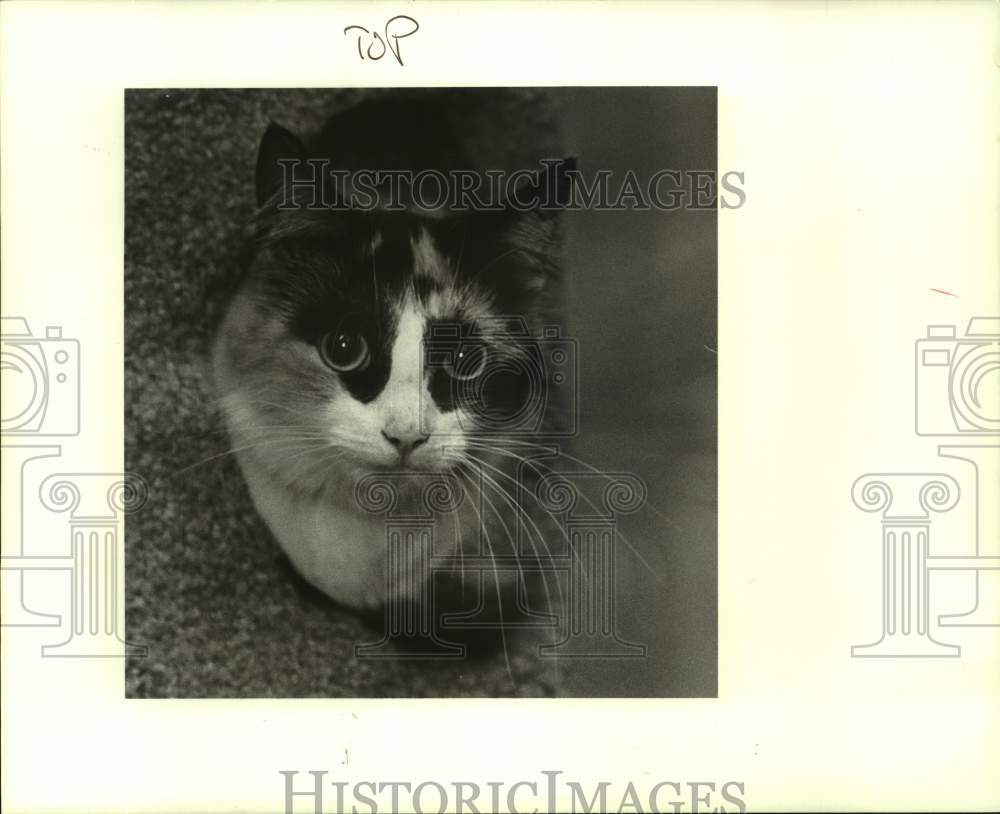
(427, 260)
(399, 402)
(404, 410)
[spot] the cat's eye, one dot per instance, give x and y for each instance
(344, 350)
(468, 362)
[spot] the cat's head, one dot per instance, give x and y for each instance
(374, 340)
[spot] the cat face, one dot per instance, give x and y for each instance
(379, 341)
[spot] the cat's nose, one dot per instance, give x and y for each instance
(405, 442)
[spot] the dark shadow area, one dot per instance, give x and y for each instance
(208, 590)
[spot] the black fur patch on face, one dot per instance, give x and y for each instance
(324, 279)
(325, 269)
(499, 396)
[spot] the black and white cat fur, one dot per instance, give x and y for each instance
(319, 357)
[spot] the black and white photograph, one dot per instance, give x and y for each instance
(422, 384)
(499, 406)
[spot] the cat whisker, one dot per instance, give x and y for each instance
(534, 464)
(496, 581)
(521, 512)
(520, 486)
(510, 538)
(496, 259)
(309, 451)
(581, 462)
(320, 463)
(541, 537)
(234, 450)
(250, 398)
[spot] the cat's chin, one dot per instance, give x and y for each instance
(408, 483)
(417, 470)
(360, 465)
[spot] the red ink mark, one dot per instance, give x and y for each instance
(942, 291)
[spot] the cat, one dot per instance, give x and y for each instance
(321, 360)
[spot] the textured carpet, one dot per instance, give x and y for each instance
(207, 590)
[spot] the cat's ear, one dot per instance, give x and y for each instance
(278, 143)
(524, 240)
